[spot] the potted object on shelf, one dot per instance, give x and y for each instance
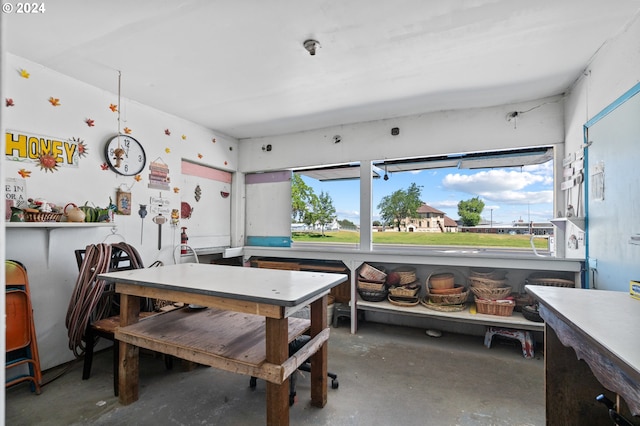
(74, 214)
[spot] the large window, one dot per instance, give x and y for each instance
(467, 199)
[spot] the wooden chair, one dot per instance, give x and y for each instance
(123, 257)
(21, 343)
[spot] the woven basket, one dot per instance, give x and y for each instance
(448, 299)
(404, 291)
(502, 308)
(457, 289)
(42, 217)
(492, 274)
(373, 296)
(407, 274)
(368, 272)
(371, 285)
(442, 308)
(491, 293)
(486, 282)
(405, 302)
(550, 279)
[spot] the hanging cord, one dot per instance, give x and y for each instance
(92, 299)
(86, 298)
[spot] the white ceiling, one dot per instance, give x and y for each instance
(239, 66)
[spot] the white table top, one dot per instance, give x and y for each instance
(276, 287)
(610, 318)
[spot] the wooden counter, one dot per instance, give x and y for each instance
(592, 346)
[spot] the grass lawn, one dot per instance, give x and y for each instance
(466, 239)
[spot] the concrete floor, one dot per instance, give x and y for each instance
(388, 375)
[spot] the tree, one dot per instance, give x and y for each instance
(470, 210)
(401, 204)
(302, 197)
(346, 223)
(324, 209)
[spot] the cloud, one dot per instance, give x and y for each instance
(491, 180)
(444, 204)
(352, 215)
(518, 197)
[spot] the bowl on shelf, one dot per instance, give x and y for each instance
(440, 281)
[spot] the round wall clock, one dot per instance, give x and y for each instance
(125, 155)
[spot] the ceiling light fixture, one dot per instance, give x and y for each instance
(311, 46)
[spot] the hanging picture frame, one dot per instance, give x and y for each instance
(123, 202)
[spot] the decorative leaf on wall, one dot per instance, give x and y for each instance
(138, 178)
(167, 150)
(200, 155)
(127, 131)
(24, 173)
(54, 101)
(90, 122)
(225, 163)
(167, 132)
(104, 166)
(24, 73)
(176, 189)
(184, 137)
(213, 140)
(9, 102)
(113, 107)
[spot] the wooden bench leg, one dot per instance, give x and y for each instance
(319, 359)
(277, 337)
(128, 359)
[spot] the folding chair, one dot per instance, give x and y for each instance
(21, 343)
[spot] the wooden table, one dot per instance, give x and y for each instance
(247, 305)
(592, 346)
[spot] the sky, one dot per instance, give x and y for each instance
(509, 194)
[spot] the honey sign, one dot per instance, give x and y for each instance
(47, 152)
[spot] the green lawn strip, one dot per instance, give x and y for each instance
(467, 239)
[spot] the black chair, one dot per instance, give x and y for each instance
(294, 347)
(123, 257)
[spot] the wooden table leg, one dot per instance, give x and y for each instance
(128, 373)
(319, 359)
(277, 336)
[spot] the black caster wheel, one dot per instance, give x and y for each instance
(335, 384)
(292, 399)
(253, 382)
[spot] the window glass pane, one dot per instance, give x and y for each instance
(502, 204)
(326, 205)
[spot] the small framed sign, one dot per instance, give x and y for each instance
(123, 202)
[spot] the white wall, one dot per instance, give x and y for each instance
(611, 73)
(52, 282)
(435, 133)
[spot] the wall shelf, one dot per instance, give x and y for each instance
(56, 225)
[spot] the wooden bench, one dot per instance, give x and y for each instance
(230, 341)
